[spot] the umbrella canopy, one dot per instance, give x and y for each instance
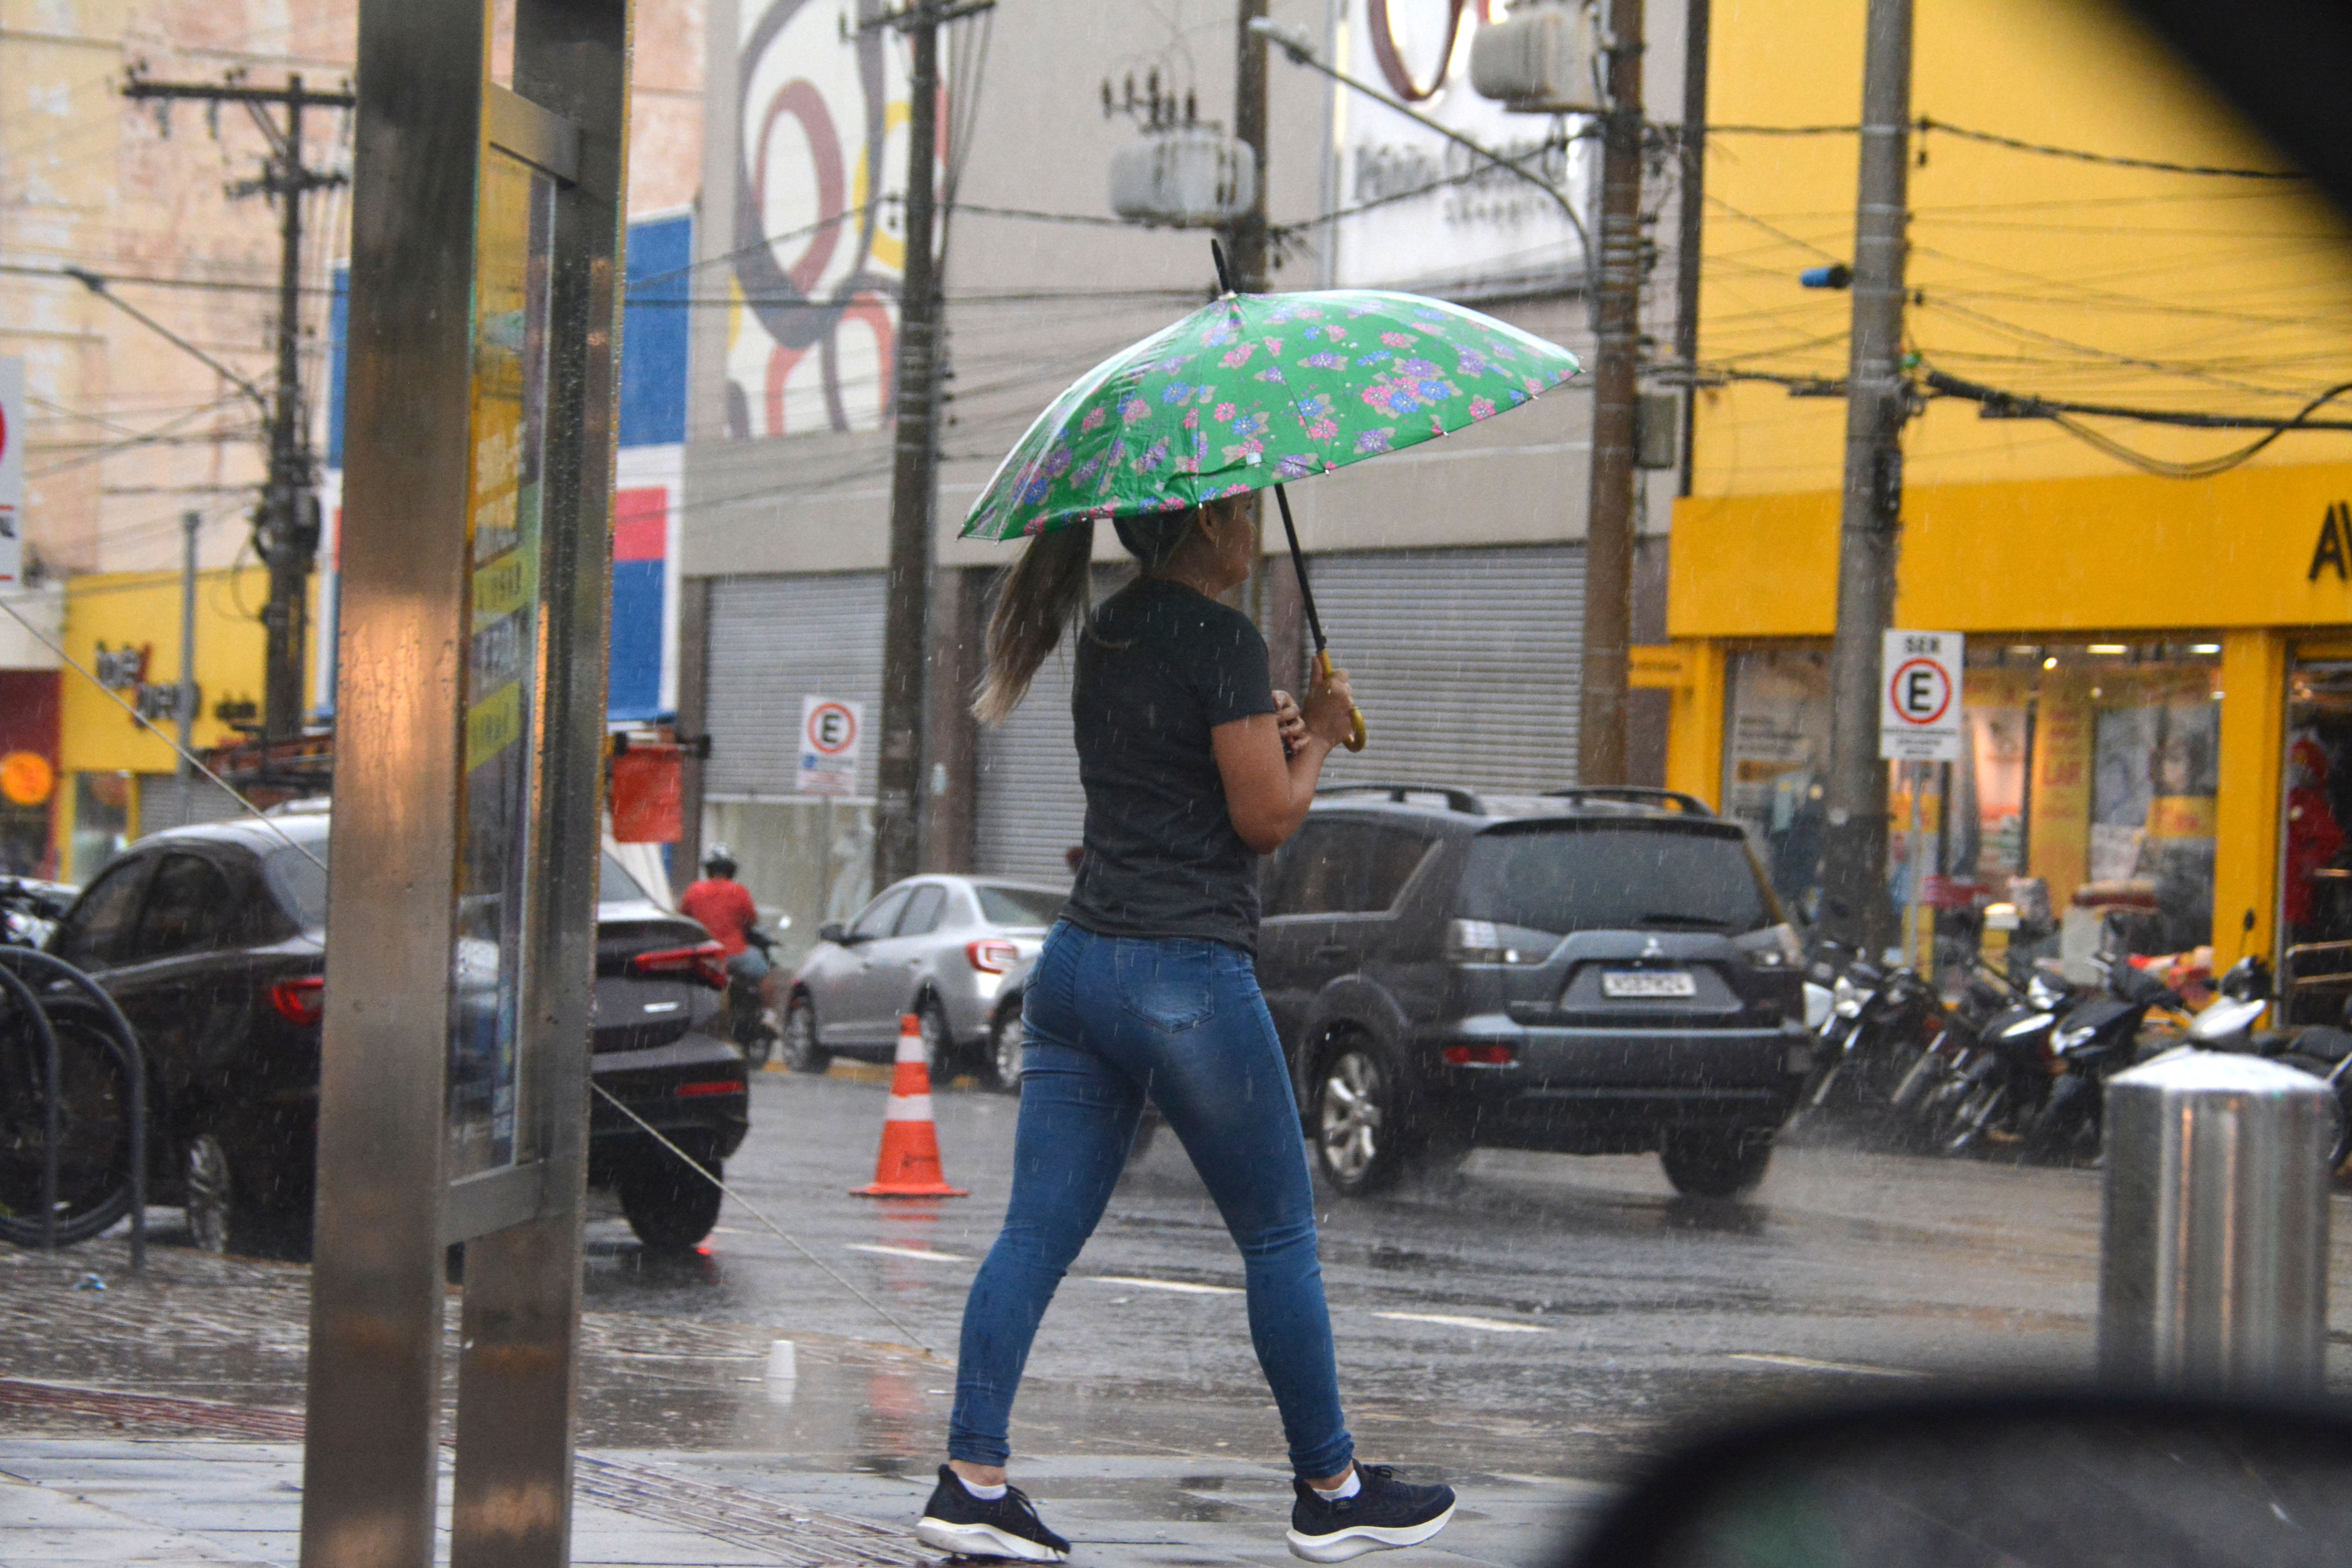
(1253, 390)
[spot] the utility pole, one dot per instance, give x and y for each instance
(1690, 220)
(287, 528)
(1245, 238)
(914, 479)
(1853, 861)
(1617, 331)
(185, 704)
(1245, 247)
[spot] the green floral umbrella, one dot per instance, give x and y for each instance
(1253, 390)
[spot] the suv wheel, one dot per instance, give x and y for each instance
(802, 1052)
(1006, 1041)
(1359, 1121)
(1716, 1164)
(670, 1205)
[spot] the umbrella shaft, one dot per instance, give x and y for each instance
(1298, 565)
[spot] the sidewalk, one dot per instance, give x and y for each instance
(93, 1502)
(159, 1422)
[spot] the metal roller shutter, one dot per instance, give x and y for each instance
(1031, 809)
(159, 802)
(1464, 662)
(773, 640)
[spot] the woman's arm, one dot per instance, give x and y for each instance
(1265, 795)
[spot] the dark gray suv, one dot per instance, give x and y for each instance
(1587, 972)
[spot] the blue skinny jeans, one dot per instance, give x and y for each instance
(1110, 1020)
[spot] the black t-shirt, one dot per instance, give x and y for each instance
(1158, 667)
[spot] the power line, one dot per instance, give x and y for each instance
(1997, 404)
(2016, 144)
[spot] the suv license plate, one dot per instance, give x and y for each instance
(1648, 982)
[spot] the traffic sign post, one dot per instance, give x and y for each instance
(1919, 697)
(1919, 725)
(830, 731)
(13, 429)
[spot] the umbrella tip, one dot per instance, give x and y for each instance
(1224, 268)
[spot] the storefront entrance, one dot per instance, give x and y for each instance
(2084, 793)
(2316, 850)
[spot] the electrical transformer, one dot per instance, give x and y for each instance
(1541, 60)
(1183, 176)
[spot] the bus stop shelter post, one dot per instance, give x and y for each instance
(372, 1420)
(453, 1100)
(518, 1374)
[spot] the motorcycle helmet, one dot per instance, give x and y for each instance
(717, 862)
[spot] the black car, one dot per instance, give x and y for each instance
(213, 941)
(1587, 972)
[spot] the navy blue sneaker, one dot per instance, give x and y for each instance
(956, 1521)
(1384, 1513)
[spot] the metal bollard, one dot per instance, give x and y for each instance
(2213, 1257)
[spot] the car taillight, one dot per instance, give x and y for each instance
(716, 1086)
(1480, 1055)
(706, 962)
(990, 956)
(300, 1002)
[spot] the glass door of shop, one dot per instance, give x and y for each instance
(2316, 845)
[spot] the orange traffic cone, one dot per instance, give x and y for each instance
(909, 1163)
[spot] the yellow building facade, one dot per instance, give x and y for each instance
(2158, 689)
(119, 778)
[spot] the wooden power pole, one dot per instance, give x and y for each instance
(1855, 908)
(914, 481)
(287, 528)
(1608, 519)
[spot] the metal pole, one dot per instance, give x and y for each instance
(1610, 521)
(190, 522)
(288, 536)
(1915, 884)
(914, 481)
(1854, 906)
(1247, 233)
(2213, 1253)
(1690, 218)
(1246, 237)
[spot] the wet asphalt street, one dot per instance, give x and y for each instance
(1533, 1314)
(1530, 1328)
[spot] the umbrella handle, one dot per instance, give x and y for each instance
(1355, 715)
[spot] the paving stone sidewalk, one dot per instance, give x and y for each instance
(66, 1503)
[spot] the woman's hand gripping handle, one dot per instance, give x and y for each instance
(1332, 711)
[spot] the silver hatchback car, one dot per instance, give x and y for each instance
(938, 947)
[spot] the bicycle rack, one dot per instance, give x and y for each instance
(62, 973)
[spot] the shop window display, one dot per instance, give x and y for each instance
(2084, 792)
(1776, 759)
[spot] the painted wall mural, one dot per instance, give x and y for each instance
(820, 240)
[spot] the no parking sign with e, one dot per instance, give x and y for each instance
(829, 732)
(1919, 697)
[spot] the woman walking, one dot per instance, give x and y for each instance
(1194, 767)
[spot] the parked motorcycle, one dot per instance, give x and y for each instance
(2323, 1050)
(1996, 1093)
(2095, 1040)
(1929, 1092)
(29, 910)
(1881, 1026)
